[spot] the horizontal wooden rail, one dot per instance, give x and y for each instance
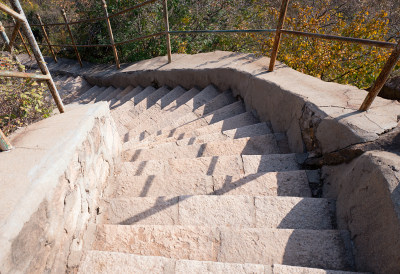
(221, 31)
(79, 46)
(361, 41)
(11, 12)
(18, 74)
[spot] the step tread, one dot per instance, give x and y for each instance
(264, 144)
(217, 165)
(290, 183)
(153, 115)
(237, 133)
(192, 121)
(102, 95)
(115, 262)
(232, 211)
(237, 121)
(158, 122)
(127, 115)
(128, 96)
(120, 95)
(311, 248)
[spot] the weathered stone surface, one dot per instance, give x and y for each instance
(368, 204)
(120, 95)
(149, 101)
(235, 211)
(269, 163)
(230, 211)
(157, 123)
(241, 120)
(286, 269)
(90, 94)
(292, 183)
(192, 121)
(190, 242)
(310, 248)
(229, 165)
(186, 266)
(265, 144)
(66, 161)
(294, 213)
(154, 115)
(112, 262)
(242, 132)
(104, 94)
(128, 211)
(159, 185)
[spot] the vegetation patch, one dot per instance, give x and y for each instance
(22, 101)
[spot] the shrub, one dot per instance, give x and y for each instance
(22, 101)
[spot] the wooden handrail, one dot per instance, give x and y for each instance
(278, 33)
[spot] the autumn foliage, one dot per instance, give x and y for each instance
(329, 60)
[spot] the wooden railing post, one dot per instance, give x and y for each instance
(110, 32)
(278, 34)
(5, 145)
(38, 55)
(382, 78)
(168, 37)
(46, 37)
(14, 35)
(23, 41)
(3, 35)
(71, 36)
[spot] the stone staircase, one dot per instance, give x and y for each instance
(205, 187)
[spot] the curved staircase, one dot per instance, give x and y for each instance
(205, 187)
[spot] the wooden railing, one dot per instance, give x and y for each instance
(20, 21)
(279, 31)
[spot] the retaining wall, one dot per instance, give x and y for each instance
(49, 186)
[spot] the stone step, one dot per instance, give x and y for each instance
(126, 118)
(149, 101)
(237, 133)
(76, 88)
(155, 113)
(171, 99)
(120, 95)
(217, 165)
(224, 99)
(98, 97)
(241, 120)
(149, 126)
(192, 121)
(211, 210)
(115, 262)
(258, 145)
(113, 94)
(309, 248)
(89, 95)
(290, 183)
(147, 95)
(127, 97)
(287, 269)
(105, 94)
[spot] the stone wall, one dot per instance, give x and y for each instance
(368, 205)
(47, 234)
